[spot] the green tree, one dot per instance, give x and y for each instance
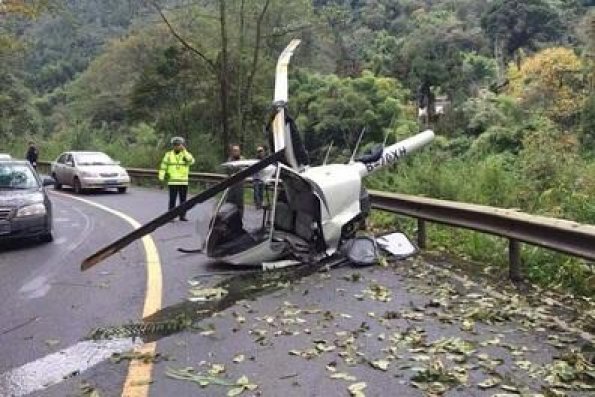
(330, 108)
(515, 24)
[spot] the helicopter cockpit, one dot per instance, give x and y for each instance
(289, 221)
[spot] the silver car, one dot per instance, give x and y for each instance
(89, 170)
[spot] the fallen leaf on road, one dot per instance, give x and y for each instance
(216, 369)
(343, 376)
(467, 325)
(489, 383)
(356, 389)
(244, 384)
(189, 374)
(380, 364)
(509, 388)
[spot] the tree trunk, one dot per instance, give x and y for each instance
(240, 129)
(223, 80)
(247, 94)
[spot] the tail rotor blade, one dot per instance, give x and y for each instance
(179, 210)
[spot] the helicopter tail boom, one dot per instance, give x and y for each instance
(393, 153)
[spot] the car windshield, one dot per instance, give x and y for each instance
(17, 176)
(94, 159)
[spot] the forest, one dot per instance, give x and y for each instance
(514, 79)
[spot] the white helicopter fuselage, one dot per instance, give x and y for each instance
(331, 200)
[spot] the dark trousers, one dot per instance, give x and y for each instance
(174, 191)
(258, 187)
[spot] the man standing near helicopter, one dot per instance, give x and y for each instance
(174, 171)
(236, 193)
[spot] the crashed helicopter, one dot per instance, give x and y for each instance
(314, 210)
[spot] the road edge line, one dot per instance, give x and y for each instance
(139, 374)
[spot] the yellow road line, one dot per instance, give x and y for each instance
(139, 373)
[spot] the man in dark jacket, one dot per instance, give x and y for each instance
(32, 154)
(236, 192)
(258, 180)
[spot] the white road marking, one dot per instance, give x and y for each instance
(39, 285)
(55, 368)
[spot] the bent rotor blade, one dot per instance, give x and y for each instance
(179, 210)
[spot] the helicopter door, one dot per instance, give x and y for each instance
(297, 214)
(236, 226)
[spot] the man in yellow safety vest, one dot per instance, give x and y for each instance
(174, 170)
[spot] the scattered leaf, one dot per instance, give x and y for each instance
(380, 364)
(216, 369)
(489, 383)
(343, 376)
(356, 389)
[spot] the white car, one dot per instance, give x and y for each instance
(4, 156)
(89, 170)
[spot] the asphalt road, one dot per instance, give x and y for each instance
(287, 333)
(47, 304)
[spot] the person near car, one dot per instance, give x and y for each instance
(32, 154)
(174, 170)
(236, 192)
(258, 180)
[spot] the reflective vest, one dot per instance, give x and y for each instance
(175, 167)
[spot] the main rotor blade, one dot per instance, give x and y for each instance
(179, 210)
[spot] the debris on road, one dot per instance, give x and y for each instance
(189, 374)
(206, 294)
(419, 328)
(146, 358)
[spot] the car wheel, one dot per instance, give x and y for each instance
(78, 189)
(57, 185)
(121, 190)
(47, 237)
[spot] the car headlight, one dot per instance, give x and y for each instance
(89, 174)
(30, 210)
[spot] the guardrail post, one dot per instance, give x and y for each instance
(421, 233)
(514, 257)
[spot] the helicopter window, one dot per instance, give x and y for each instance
(283, 217)
(298, 209)
(303, 225)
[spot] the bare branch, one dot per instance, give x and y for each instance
(254, 66)
(182, 40)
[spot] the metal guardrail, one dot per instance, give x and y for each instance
(556, 234)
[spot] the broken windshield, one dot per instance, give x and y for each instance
(17, 176)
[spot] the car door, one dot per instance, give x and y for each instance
(69, 170)
(58, 169)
